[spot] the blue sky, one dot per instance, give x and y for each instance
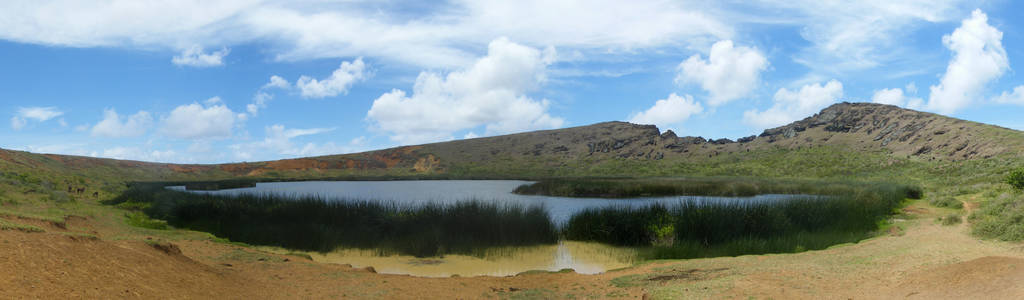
(227, 81)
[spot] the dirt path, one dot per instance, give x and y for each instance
(920, 259)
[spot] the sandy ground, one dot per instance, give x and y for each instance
(918, 259)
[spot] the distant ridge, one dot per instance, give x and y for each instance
(607, 148)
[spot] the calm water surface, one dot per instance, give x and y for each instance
(586, 258)
(418, 192)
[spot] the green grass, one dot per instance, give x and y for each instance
(700, 186)
(1000, 218)
(946, 201)
(141, 220)
(8, 225)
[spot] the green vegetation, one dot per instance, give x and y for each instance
(1000, 218)
(950, 219)
(8, 225)
(701, 229)
(946, 201)
(721, 186)
(139, 219)
(315, 224)
(1016, 179)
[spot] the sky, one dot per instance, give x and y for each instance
(187, 81)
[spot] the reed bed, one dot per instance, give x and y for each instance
(318, 224)
(701, 229)
(723, 187)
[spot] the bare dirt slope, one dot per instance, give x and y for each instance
(917, 259)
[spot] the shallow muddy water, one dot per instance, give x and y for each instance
(584, 258)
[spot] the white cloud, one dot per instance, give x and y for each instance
(853, 35)
(132, 126)
(195, 57)
(195, 121)
(338, 83)
(490, 93)
(39, 114)
(433, 37)
(67, 149)
(978, 58)
(729, 73)
(278, 82)
(1016, 97)
(279, 141)
(790, 106)
(260, 99)
(668, 112)
(135, 153)
(896, 97)
(17, 123)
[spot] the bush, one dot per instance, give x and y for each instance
(951, 219)
(946, 201)
(1016, 179)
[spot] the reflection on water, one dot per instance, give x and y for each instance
(419, 192)
(584, 258)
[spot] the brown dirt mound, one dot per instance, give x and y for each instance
(53, 266)
(990, 277)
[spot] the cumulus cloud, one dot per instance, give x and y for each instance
(1015, 97)
(210, 120)
(195, 57)
(895, 96)
(113, 126)
(277, 82)
(790, 106)
(262, 96)
(978, 58)
(338, 83)
(729, 73)
(668, 112)
(38, 114)
(490, 93)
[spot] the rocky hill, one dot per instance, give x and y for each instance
(886, 132)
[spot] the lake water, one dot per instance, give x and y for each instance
(418, 192)
(585, 258)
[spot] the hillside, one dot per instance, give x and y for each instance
(856, 137)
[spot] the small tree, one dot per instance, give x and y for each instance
(1016, 179)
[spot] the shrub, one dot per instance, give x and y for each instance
(1016, 179)
(139, 219)
(951, 219)
(946, 201)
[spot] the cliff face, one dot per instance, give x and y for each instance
(903, 131)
